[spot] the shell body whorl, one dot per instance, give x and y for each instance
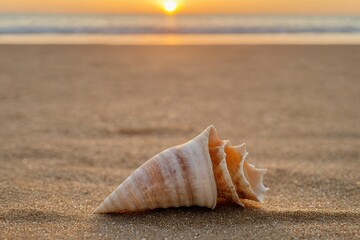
(196, 173)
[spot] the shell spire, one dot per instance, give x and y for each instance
(197, 173)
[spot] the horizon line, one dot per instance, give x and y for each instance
(184, 14)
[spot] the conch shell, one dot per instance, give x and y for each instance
(200, 172)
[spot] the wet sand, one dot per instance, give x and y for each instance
(75, 121)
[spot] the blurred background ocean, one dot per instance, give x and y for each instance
(180, 24)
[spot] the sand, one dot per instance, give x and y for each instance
(75, 121)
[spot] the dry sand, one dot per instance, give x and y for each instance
(75, 121)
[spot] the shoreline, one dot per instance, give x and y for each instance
(182, 39)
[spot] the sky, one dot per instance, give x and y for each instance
(326, 7)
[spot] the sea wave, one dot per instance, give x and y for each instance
(198, 24)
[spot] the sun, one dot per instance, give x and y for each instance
(170, 6)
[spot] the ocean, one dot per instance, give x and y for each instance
(107, 25)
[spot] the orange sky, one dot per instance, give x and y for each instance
(185, 6)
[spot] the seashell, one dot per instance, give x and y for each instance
(200, 172)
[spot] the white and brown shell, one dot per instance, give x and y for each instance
(198, 173)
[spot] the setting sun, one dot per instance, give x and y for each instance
(170, 6)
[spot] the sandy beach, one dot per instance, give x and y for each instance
(75, 121)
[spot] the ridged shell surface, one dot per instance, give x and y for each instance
(178, 176)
